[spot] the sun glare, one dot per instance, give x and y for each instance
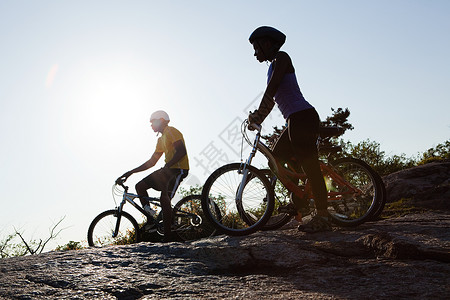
(51, 76)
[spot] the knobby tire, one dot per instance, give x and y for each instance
(221, 189)
(353, 210)
(102, 227)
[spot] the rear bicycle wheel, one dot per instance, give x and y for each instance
(189, 220)
(352, 201)
(379, 209)
(238, 215)
(101, 230)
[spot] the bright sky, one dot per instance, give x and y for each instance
(79, 80)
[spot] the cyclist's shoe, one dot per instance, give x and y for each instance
(149, 210)
(317, 224)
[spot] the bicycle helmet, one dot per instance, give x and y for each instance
(159, 114)
(268, 32)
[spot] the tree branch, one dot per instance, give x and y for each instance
(23, 241)
(52, 234)
(41, 245)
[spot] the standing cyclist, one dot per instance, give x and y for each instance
(300, 136)
(168, 178)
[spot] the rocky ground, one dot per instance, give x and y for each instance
(426, 186)
(402, 257)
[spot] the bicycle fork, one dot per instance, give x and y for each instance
(243, 168)
(119, 210)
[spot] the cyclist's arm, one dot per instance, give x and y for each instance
(282, 66)
(147, 165)
(180, 152)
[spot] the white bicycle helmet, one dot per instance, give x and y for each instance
(159, 114)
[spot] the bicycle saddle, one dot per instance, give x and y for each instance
(327, 132)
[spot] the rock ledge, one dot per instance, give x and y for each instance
(404, 257)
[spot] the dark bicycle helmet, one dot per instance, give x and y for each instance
(268, 32)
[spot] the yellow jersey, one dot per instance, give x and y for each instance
(165, 142)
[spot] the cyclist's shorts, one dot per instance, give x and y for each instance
(171, 178)
(300, 137)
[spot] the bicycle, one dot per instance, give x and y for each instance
(117, 227)
(248, 195)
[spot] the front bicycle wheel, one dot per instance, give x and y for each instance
(189, 220)
(242, 210)
(101, 231)
(354, 193)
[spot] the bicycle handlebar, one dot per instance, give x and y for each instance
(253, 126)
(121, 183)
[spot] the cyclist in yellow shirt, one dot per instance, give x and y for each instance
(167, 179)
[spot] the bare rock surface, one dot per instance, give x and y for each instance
(405, 257)
(427, 186)
(399, 258)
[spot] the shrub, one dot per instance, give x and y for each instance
(71, 245)
(371, 153)
(439, 153)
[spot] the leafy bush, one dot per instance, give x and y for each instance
(438, 153)
(71, 245)
(193, 190)
(371, 153)
(10, 249)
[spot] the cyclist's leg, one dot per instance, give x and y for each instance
(303, 128)
(158, 180)
(310, 165)
(281, 149)
(174, 183)
(167, 212)
(151, 181)
(167, 182)
(283, 152)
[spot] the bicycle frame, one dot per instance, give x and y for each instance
(129, 197)
(243, 168)
(285, 175)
